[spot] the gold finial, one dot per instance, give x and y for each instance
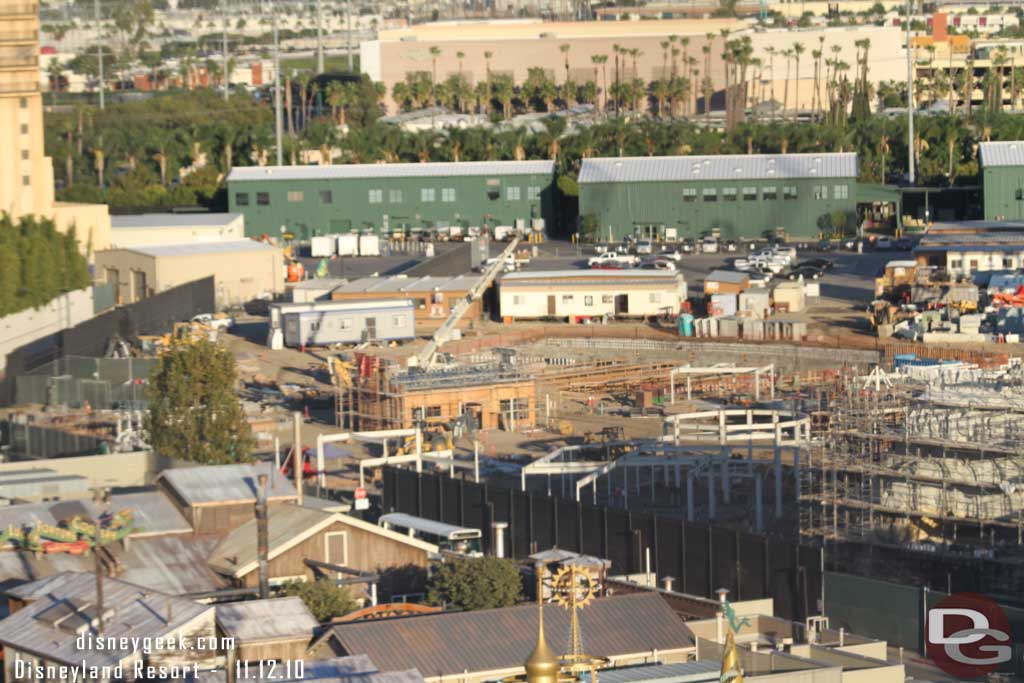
(542, 665)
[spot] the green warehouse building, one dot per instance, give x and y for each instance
(1002, 179)
(389, 198)
(743, 196)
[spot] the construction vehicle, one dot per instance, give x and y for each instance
(1006, 299)
(883, 312)
(309, 469)
(606, 435)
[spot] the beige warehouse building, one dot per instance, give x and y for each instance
(243, 269)
(151, 229)
(518, 45)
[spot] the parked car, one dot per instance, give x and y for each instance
(210, 320)
(904, 244)
(626, 260)
(671, 253)
(610, 265)
(807, 273)
(659, 264)
(709, 245)
(644, 247)
(759, 279)
(826, 245)
(731, 245)
(819, 263)
(687, 246)
(883, 244)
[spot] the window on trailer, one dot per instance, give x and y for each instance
(689, 194)
(242, 198)
(263, 198)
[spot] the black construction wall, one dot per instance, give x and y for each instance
(155, 315)
(701, 557)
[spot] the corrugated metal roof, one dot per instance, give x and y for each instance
(449, 643)
(174, 220)
(175, 565)
(427, 283)
(980, 240)
(201, 248)
(720, 167)
(136, 612)
(1006, 153)
(227, 483)
(256, 620)
(733, 276)
(152, 513)
(429, 170)
(684, 672)
(337, 670)
(427, 525)
(592, 274)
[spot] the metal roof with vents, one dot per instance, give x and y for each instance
(428, 170)
(720, 167)
(1007, 153)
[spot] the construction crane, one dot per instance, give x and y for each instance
(428, 355)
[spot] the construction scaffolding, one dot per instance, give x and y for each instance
(929, 456)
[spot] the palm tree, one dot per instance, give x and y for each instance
(798, 49)
(435, 52)
(602, 61)
(487, 65)
(771, 68)
(564, 49)
(460, 55)
(617, 49)
(664, 59)
(636, 82)
(788, 54)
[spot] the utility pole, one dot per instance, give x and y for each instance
(227, 75)
(99, 46)
(319, 39)
(348, 32)
(277, 89)
(910, 99)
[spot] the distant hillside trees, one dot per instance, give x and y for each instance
(37, 263)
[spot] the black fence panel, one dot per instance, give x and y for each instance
(700, 557)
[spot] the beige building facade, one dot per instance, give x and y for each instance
(26, 173)
(243, 270)
(518, 45)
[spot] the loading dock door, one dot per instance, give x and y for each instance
(551, 305)
(371, 329)
(621, 304)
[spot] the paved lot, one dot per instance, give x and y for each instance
(852, 280)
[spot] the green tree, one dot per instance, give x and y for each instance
(475, 583)
(325, 600)
(194, 413)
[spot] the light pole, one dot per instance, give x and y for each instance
(319, 40)
(99, 47)
(910, 99)
(277, 90)
(224, 37)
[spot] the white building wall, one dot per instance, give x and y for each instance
(590, 301)
(25, 327)
(969, 262)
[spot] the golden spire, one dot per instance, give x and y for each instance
(542, 665)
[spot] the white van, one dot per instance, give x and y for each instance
(709, 245)
(644, 247)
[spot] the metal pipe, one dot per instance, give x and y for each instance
(263, 537)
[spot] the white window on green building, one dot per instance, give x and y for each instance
(750, 194)
(296, 196)
(769, 192)
(689, 194)
(513, 194)
(395, 196)
(821, 192)
(376, 196)
(729, 194)
(841, 192)
(710, 194)
(533, 192)
(448, 194)
(428, 194)
(789, 192)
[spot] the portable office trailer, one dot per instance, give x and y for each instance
(583, 294)
(353, 324)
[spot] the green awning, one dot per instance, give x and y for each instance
(869, 193)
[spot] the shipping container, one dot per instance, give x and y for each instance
(722, 305)
(352, 323)
(369, 245)
(322, 245)
(348, 244)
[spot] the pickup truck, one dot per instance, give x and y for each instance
(626, 259)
